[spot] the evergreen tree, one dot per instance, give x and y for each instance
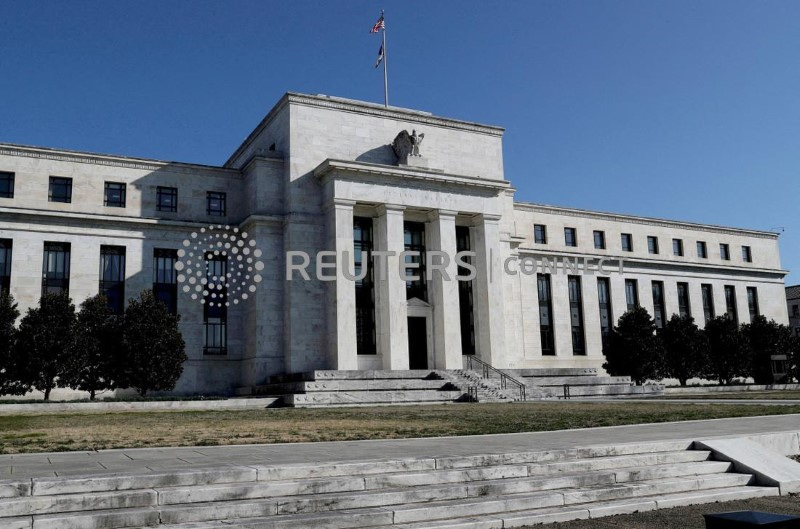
(9, 385)
(684, 348)
(633, 349)
(728, 352)
(767, 338)
(153, 345)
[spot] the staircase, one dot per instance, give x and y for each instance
(582, 383)
(465, 492)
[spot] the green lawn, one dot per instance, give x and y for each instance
(89, 431)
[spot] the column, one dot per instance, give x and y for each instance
(444, 292)
(342, 349)
(390, 289)
(488, 293)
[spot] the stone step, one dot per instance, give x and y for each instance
(611, 390)
(362, 398)
(406, 384)
(555, 372)
(352, 375)
(577, 381)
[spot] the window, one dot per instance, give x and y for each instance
(652, 244)
(684, 308)
(215, 313)
(165, 283)
(60, 189)
(599, 240)
(677, 247)
(752, 302)
(546, 314)
(365, 291)
(604, 299)
(167, 199)
(115, 195)
(627, 242)
(576, 315)
(414, 235)
(570, 237)
(708, 302)
(702, 251)
(55, 269)
(112, 277)
(465, 295)
(215, 204)
(631, 294)
(540, 234)
(747, 254)
(730, 303)
(6, 185)
(796, 311)
(658, 304)
(5, 265)
(725, 252)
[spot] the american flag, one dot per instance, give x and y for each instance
(379, 25)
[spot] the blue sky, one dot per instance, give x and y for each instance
(682, 109)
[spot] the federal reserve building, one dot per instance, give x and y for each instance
(247, 252)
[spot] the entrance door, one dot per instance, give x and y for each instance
(417, 343)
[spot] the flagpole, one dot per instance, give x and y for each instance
(385, 72)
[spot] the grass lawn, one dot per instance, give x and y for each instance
(93, 431)
(777, 394)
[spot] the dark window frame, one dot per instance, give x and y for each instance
(752, 302)
(575, 289)
(414, 241)
(215, 319)
(117, 201)
(731, 309)
(216, 203)
(466, 300)
(366, 340)
(544, 289)
(60, 189)
(570, 237)
(702, 250)
(684, 300)
(56, 278)
(626, 242)
(747, 254)
(631, 294)
(659, 309)
(112, 276)
(6, 256)
(540, 234)
(707, 293)
(652, 245)
(605, 306)
(677, 247)
(167, 199)
(165, 277)
(599, 237)
(7, 180)
(724, 251)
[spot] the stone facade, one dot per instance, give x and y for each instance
(793, 306)
(312, 166)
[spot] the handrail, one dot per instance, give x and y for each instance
(504, 377)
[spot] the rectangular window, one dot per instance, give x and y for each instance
(796, 311)
(55, 268)
(708, 302)
(365, 289)
(631, 293)
(652, 244)
(60, 189)
(747, 254)
(627, 242)
(677, 247)
(546, 314)
(414, 238)
(576, 315)
(465, 295)
(215, 313)
(570, 237)
(5, 265)
(604, 299)
(684, 308)
(165, 278)
(599, 240)
(730, 303)
(6, 185)
(724, 252)
(167, 199)
(115, 195)
(702, 251)
(215, 204)
(752, 302)
(112, 277)
(540, 234)
(658, 304)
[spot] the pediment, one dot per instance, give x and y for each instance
(416, 302)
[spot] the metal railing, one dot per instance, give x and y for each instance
(486, 370)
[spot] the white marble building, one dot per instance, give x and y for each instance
(318, 173)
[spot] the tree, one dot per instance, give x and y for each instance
(684, 348)
(767, 338)
(8, 333)
(728, 352)
(43, 342)
(95, 348)
(153, 345)
(633, 349)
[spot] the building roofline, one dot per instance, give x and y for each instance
(134, 162)
(545, 208)
(363, 107)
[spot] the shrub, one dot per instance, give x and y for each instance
(153, 346)
(9, 385)
(633, 349)
(684, 348)
(767, 338)
(728, 352)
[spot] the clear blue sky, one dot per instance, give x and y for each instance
(682, 109)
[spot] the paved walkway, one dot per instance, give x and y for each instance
(145, 460)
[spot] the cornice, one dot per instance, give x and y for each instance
(634, 219)
(62, 155)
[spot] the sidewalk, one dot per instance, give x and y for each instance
(146, 460)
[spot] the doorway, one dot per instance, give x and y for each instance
(417, 343)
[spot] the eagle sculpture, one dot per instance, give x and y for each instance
(405, 145)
